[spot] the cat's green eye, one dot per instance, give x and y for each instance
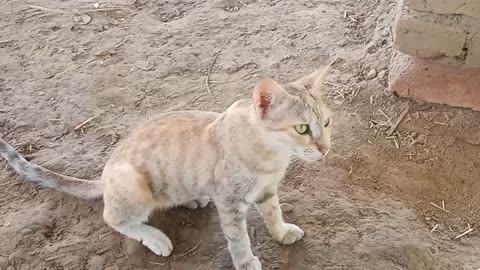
(327, 122)
(301, 129)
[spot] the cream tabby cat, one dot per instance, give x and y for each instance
(236, 158)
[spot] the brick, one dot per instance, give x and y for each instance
(428, 80)
(473, 55)
(462, 7)
(426, 39)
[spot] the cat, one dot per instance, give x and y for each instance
(236, 158)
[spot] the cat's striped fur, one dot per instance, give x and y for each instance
(235, 158)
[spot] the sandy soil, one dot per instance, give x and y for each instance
(368, 206)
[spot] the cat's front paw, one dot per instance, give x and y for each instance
(253, 264)
(293, 234)
(199, 203)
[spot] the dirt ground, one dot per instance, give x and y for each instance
(378, 202)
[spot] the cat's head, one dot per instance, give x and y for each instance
(293, 115)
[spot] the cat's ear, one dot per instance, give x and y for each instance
(313, 80)
(267, 95)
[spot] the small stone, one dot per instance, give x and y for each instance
(286, 207)
(449, 141)
(26, 231)
(371, 74)
(422, 138)
(41, 93)
(427, 219)
(96, 5)
(372, 49)
(382, 74)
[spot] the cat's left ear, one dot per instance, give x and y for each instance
(267, 98)
(313, 80)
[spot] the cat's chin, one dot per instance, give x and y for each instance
(310, 159)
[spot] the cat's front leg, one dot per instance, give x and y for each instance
(233, 214)
(267, 204)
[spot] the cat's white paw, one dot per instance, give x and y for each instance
(293, 234)
(159, 244)
(253, 264)
(199, 203)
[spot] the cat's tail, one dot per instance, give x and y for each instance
(77, 187)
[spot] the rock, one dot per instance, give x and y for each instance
(286, 207)
(382, 74)
(371, 74)
(26, 231)
(422, 138)
(449, 141)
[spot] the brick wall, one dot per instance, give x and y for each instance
(438, 52)
(447, 30)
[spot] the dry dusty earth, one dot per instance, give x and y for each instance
(368, 206)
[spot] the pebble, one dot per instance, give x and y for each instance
(449, 141)
(26, 231)
(422, 138)
(286, 207)
(371, 74)
(382, 74)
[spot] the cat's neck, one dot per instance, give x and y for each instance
(247, 139)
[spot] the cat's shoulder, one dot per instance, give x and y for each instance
(241, 104)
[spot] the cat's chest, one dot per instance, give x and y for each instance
(269, 179)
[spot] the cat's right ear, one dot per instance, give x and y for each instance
(266, 96)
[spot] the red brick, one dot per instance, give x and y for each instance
(428, 80)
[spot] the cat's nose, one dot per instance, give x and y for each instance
(324, 149)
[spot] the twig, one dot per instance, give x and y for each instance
(435, 205)
(84, 123)
(157, 263)
(47, 9)
(54, 257)
(207, 79)
(190, 250)
(104, 9)
(386, 116)
(275, 2)
(332, 84)
(399, 120)
(465, 232)
(102, 251)
(434, 228)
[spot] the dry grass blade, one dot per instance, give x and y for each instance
(207, 78)
(437, 206)
(84, 123)
(399, 120)
(464, 233)
(190, 250)
(157, 263)
(48, 9)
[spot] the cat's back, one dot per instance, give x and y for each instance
(172, 133)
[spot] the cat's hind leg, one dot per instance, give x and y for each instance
(128, 204)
